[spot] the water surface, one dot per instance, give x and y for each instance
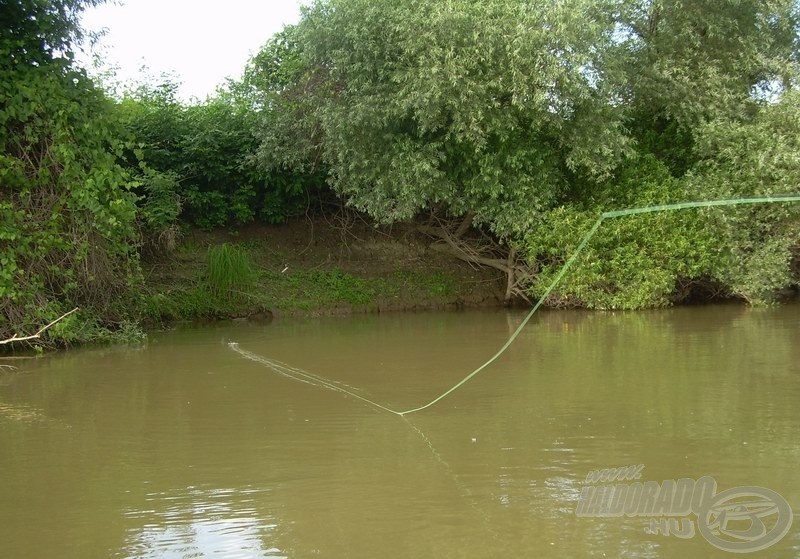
(183, 448)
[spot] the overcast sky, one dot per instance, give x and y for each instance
(200, 42)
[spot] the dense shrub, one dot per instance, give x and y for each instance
(67, 213)
(631, 262)
(205, 151)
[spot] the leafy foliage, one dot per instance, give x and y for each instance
(632, 262)
(67, 235)
(690, 62)
(477, 107)
(756, 158)
(37, 32)
(205, 150)
(529, 118)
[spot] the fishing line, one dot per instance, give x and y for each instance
(299, 374)
(288, 371)
(304, 376)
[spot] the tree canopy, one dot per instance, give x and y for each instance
(41, 31)
(513, 113)
(479, 107)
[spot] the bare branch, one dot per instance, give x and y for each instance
(483, 252)
(16, 338)
(464, 226)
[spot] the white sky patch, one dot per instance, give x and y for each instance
(200, 43)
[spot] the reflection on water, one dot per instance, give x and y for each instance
(191, 522)
(182, 448)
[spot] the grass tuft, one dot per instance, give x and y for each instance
(229, 270)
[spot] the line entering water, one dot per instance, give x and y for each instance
(310, 378)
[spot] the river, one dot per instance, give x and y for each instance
(183, 447)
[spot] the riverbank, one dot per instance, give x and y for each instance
(302, 268)
(308, 268)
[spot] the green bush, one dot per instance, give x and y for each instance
(67, 211)
(159, 209)
(206, 150)
(631, 262)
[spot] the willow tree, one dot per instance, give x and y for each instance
(758, 157)
(691, 62)
(472, 109)
(711, 97)
(502, 114)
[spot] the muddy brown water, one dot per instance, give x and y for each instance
(182, 448)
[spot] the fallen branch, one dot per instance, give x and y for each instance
(16, 338)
